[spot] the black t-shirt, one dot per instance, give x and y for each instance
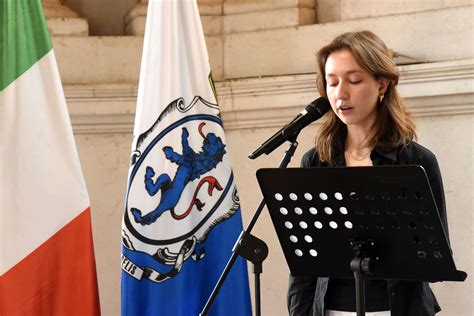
(340, 295)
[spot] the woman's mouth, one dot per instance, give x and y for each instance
(344, 109)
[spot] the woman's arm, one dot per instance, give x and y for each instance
(429, 162)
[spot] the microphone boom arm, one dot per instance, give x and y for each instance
(312, 112)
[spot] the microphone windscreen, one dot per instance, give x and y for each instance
(318, 107)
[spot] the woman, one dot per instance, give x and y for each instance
(369, 125)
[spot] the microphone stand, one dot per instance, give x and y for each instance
(250, 247)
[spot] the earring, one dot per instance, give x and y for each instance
(381, 98)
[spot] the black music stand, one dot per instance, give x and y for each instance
(359, 222)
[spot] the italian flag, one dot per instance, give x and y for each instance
(47, 264)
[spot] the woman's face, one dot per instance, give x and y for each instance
(351, 90)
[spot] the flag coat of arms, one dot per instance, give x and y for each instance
(47, 262)
(182, 214)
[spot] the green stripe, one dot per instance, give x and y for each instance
(24, 38)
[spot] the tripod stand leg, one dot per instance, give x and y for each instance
(360, 293)
(257, 270)
(262, 250)
(360, 265)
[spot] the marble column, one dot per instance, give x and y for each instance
(62, 20)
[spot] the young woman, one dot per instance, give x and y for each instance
(369, 125)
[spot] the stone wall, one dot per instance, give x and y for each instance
(262, 56)
(343, 10)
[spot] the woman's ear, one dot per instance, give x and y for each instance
(383, 85)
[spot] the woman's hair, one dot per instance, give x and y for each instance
(393, 126)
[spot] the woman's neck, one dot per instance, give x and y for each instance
(357, 147)
(357, 138)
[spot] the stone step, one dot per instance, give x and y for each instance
(425, 36)
(430, 36)
(342, 10)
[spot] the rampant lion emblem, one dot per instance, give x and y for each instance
(191, 166)
(165, 223)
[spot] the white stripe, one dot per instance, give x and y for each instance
(172, 67)
(42, 186)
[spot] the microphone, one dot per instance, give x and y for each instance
(311, 113)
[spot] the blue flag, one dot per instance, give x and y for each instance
(182, 214)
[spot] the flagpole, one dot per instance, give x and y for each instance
(249, 246)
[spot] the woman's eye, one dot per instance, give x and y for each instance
(355, 81)
(332, 84)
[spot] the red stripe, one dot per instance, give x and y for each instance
(58, 278)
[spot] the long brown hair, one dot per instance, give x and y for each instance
(393, 126)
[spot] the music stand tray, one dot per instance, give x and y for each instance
(324, 217)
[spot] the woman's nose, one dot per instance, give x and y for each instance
(341, 91)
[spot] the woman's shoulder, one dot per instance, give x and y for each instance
(419, 152)
(310, 159)
(413, 153)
